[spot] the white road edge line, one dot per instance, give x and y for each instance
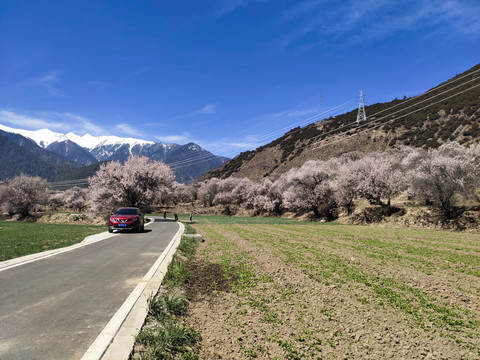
(117, 339)
(27, 259)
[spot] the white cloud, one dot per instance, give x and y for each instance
(227, 6)
(206, 110)
(128, 129)
(75, 123)
(353, 21)
(29, 122)
(64, 122)
(183, 138)
(48, 82)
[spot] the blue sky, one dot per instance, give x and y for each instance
(230, 75)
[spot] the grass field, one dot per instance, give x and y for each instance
(220, 219)
(20, 238)
(304, 291)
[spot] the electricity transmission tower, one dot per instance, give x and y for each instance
(361, 115)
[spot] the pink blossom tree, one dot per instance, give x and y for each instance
(309, 189)
(139, 182)
(183, 193)
(55, 200)
(379, 179)
(225, 194)
(207, 191)
(345, 185)
(447, 176)
(75, 198)
(267, 196)
(226, 199)
(242, 190)
(24, 195)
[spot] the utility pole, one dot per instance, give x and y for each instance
(361, 115)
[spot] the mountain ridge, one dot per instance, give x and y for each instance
(449, 111)
(68, 154)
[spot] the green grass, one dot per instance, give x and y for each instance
(220, 219)
(20, 238)
(167, 339)
(188, 246)
(189, 229)
(165, 335)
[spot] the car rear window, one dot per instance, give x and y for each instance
(126, 212)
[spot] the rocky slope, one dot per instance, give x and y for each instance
(448, 112)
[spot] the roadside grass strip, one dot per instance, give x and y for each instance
(20, 238)
(165, 334)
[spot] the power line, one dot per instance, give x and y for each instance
(307, 106)
(374, 120)
(389, 121)
(270, 134)
(396, 105)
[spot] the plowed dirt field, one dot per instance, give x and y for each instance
(306, 291)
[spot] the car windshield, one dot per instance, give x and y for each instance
(126, 212)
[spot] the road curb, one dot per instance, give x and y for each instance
(117, 339)
(91, 239)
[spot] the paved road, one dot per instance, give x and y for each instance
(55, 308)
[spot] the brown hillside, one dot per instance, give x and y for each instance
(448, 112)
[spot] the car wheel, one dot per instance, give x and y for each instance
(110, 230)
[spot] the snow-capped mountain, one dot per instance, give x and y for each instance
(45, 137)
(72, 151)
(187, 161)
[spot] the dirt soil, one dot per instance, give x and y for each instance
(335, 292)
(65, 218)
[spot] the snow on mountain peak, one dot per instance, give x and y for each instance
(45, 137)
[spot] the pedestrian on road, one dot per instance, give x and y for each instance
(176, 217)
(165, 214)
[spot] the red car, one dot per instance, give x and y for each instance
(126, 218)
